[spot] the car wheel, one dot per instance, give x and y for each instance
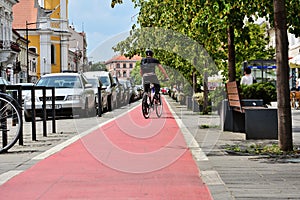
(86, 111)
(93, 110)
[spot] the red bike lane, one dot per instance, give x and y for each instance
(127, 158)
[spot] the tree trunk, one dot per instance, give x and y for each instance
(285, 139)
(194, 82)
(231, 54)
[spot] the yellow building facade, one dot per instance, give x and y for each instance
(46, 25)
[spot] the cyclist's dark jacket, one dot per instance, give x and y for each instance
(148, 71)
(148, 65)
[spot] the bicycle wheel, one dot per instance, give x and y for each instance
(10, 122)
(146, 106)
(158, 106)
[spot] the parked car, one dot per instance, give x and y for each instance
(126, 90)
(3, 81)
(130, 90)
(164, 90)
(121, 95)
(73, 96)
(25, 92)
(109, 85)
(140, 90)
(96, 83)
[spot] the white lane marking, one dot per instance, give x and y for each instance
(8, 175)
(197, 152)
(4, 177)
(209, 177)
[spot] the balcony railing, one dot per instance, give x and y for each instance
(9, 45)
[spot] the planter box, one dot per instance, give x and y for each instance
(261, 123)
(256, 123)
(195, 106)
(189, 102)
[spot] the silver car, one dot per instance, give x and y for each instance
(96, 83)
(73, 96)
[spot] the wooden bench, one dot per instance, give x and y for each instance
(295, 99)
(258, 122)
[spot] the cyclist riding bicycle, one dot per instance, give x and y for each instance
(148, 65)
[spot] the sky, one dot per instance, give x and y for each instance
(103, 25)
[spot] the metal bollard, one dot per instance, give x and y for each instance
(99, 103)
(44, 112)
(33, 122)
(3, 122)
(53, 110)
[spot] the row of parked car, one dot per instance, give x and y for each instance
(77, 94)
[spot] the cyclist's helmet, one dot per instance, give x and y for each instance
(149, 52)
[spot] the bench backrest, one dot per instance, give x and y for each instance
(233, 96)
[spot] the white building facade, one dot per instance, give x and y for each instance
(8, 49)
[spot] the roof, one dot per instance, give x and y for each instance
(91, 74)
(25, 10)
(62, 74)
(122, 58)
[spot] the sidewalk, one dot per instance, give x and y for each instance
(241, 177)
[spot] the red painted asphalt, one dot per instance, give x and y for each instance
(127, 158)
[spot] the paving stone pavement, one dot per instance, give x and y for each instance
(227, 176)
(238, 176)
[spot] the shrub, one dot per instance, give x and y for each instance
(265, 91)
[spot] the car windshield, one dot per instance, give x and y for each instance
(3, 81)
(104, 80)
(94, 82)
(60, 82)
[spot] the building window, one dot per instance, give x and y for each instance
(52, 54)
(124, 74)
(124, 65)
(130, 65)
(32, 49)
(118, 65)
(33, 66)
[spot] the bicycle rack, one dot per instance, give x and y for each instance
(17, 95)
(18, 98)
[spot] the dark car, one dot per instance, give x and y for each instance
(130, 90)
(126, 90)
(121, 96)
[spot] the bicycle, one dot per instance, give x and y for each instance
(10, 121)
(150, 101)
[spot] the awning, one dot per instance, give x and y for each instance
(295, 62)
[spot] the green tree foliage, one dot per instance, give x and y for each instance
(219, 26)
(135, 73)
(99, 66)
(205, 22)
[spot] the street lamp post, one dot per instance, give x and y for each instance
(27, 54)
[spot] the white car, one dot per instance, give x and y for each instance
(3, 81)
(73, 96)
(25, 92)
